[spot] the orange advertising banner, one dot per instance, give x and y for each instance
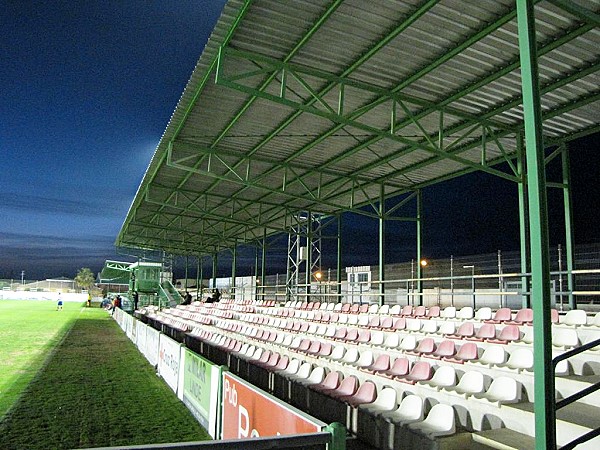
(250, 412)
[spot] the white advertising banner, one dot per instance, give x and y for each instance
(127, 323)
(152, 342)
(118, 316)
(140, 332)
(168, 361)
(122, 319)
(131, 323)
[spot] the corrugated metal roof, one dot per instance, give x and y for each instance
(271, 137)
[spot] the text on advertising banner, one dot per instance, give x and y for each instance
(200, 388)
(250, 412)
(168, 360)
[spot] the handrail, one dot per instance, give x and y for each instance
(581, 439)
(258, 443)
(578, 395)
(575, 351)
(170, 292)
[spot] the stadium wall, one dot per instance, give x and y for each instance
(227, 406)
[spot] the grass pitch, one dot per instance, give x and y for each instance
(96, 389)
(29, 330)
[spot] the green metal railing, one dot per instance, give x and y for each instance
(169, 294)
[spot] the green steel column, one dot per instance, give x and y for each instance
(233, 267)
(523, 224)
(309, 235)
(256, 279)
(338, 272)
(200, 263)
(256, 261)
(198, 277)
(566, 167)
(288, 281)
(544, 401)
(419, 245)
(381, 245)
(214, 270)
(338, 436)
(263, 263)
(186, 272)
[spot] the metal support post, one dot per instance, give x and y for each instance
(338, 436)
(198, 277)
(263, 263)
(544, 401)
(412, 283)
(523, 223)
(233, 268)
(500, 279)
(419, 244)
(186, 272)
(309, 236)
(256, 279)
(214, 270)
(288, 278)
(472, 267)
(381, 245)
(338, 271)
(566, 169)
(560, 278)
(451, 280)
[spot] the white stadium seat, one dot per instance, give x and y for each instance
(439, 422)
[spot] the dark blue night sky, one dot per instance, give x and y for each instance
(87, 91)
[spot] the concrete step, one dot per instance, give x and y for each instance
(579, 413)
(502, 439)
(572, 421)
(459, 441)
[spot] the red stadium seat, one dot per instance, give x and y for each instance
(466, 352)
(400, 368)
(502, 315)
(366, 393)
(331, 382)
(420, 371)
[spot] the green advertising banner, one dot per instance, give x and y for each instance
(201, 388)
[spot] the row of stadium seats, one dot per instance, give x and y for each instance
(424, 363)
(365, 330)
(326, 312)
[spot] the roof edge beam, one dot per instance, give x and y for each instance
(578, 11)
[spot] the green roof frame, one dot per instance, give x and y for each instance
(290, 126)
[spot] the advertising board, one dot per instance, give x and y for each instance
(131, 324)
(125, 321)
(199, 389)
(118, 316)
(251, 412)
(140, 332)
(151, 348)
(168, 360)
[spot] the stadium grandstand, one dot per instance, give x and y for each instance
(299, 113)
